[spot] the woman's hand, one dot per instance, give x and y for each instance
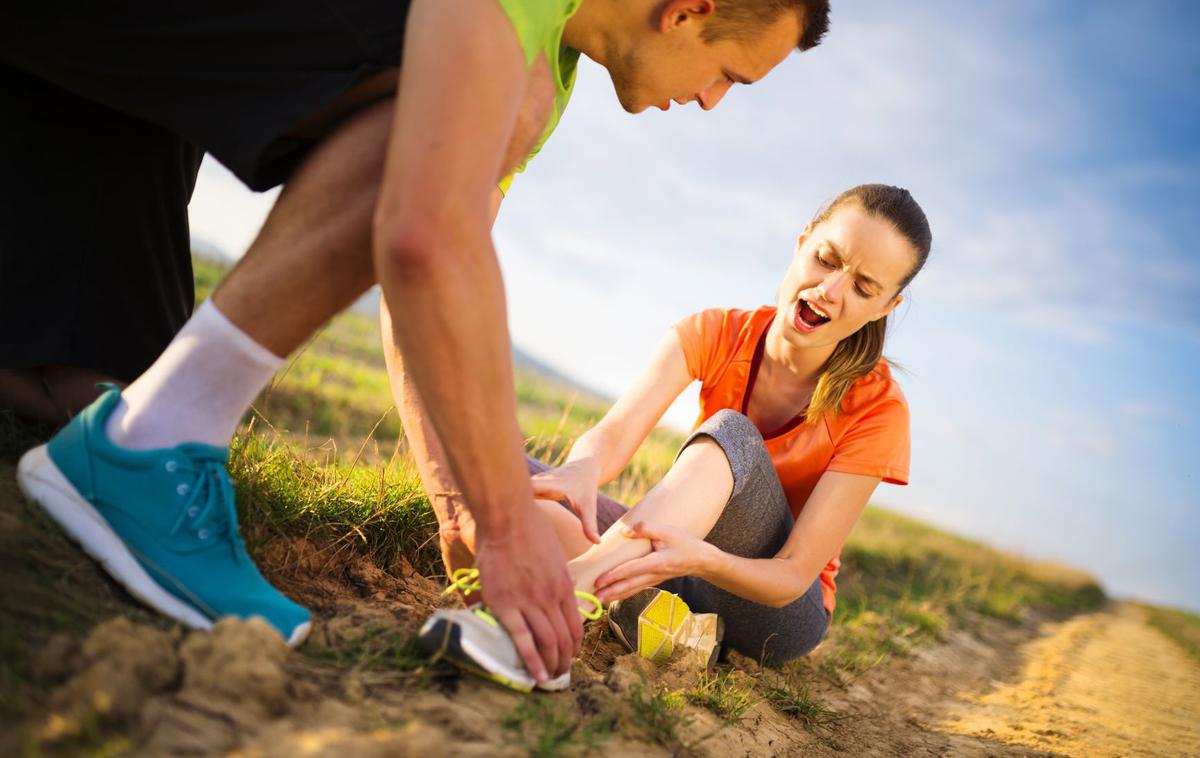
(674, 553)
(577, 483)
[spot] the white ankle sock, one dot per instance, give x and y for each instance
(197, 390)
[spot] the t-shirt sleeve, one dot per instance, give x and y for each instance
(877, 444)
(700, 335)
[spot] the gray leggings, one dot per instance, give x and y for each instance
(756, 523)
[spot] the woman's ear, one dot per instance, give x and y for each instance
(889, 307)
(803, 236)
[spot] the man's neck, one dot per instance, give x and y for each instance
(592, 30)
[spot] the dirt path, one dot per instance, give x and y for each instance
(1099, 684)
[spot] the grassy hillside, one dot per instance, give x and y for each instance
(323, 480)
(902, 583)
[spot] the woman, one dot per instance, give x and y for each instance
(800, 420)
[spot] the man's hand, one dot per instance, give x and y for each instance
(525, 577)
(575, 482)
(456, 112)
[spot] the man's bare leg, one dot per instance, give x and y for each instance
(313, 257)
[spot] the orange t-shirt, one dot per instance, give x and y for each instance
(869, 436)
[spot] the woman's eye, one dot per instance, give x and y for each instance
(861, 291)
(824, 262)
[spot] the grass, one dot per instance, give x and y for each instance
(903, 584)
(658, 713)
(378, 648)
(543, 727)
(719, 692)
(1181, 626)
(789, 695)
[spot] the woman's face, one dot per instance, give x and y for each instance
(846, 271)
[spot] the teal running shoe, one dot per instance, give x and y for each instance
(160, 522)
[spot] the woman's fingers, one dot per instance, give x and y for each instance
(628, 587)
(587, 514)
(645, 530)
(648, 564)
(547, 488)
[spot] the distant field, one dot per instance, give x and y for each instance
(902, 582)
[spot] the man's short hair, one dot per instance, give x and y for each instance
(743, 20)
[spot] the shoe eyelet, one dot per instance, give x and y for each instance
(171, 467)
(202, 534)
(193, 511)
(182, 489)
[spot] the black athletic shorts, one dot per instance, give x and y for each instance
(107, 110)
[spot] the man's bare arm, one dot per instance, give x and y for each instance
(461, 84)
(457, 529)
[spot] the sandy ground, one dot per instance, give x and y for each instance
(1100, 684)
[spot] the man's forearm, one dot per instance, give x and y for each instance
(448, 318)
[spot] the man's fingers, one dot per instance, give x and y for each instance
(518, 630)
(566, 639)
(546, 635)
(574, 623)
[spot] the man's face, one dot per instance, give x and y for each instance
(673, 63)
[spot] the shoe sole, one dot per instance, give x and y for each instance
(442, 639)
(42, 483)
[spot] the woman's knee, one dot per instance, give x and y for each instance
(740, 441)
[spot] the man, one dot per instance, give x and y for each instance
(398, 189)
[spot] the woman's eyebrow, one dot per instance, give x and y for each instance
(866, 279)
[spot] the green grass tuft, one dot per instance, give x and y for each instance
(658, 713)
(544, 728)
(379, 511)
(720, 693)
(796, 700)
(378, 647)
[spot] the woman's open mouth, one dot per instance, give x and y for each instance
(808, 317)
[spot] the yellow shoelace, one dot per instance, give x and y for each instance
(466, 581)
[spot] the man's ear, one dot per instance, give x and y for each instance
(890, 307)
(676, 13)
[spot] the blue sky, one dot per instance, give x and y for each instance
(1052, 345)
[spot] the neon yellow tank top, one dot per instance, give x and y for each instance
(539, 26)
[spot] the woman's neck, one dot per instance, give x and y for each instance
(784, 363)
